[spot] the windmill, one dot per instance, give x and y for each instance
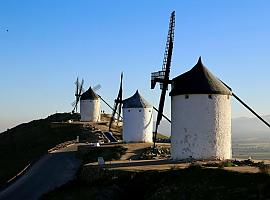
(162, 76)
(78, 92)
(117, 104)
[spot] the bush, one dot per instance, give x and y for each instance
(195, 166)
(226, 163)
(108, 153)
(264, 168)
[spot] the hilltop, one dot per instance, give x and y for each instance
(193, 182)
(25, 143)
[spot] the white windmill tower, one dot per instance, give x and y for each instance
(200, 115)
(90, 106)
(137, 119)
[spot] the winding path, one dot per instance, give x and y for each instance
(51, 171)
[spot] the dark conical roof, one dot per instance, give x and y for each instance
(136, 101)
(198, 80)
(89, 94)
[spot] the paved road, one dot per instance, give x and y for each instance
(51, 171)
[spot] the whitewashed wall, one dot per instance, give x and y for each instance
(90, 110)
(138, 124)
(201, 127)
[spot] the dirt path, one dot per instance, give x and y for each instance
(51, 171)
(134, 150)
(129, 161)
(165, 164)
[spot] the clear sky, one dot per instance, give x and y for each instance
(51, 42)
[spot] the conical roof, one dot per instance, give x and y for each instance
(89, 95)
(136, 101)
(198, 80)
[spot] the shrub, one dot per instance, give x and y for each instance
(264, 168)
(195, 166)
(226, 163)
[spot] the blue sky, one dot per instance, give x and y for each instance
(51, 42)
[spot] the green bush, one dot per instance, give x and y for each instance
(226, 163)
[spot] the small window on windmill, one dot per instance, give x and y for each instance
(128, 110)
(228, 96)
(140, 110)
(186, 96)
(210, 96)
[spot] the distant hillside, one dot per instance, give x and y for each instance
(164, 127)
(250, 127)
(21, 145)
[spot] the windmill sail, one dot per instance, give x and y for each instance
(117, 103)
(163, 76)
(78, 93)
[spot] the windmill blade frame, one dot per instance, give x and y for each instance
(73, 103)
(163, 76)
(117, 103)
(81, 89)
(102, 99)
(78, 92)
(96, 88)
(77, 83)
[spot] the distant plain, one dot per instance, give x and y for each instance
(250, 137)
(256, 148)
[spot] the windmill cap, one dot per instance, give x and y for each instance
(89, 95)
(136, 101)
(198, 80)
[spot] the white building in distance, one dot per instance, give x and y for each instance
(200, 115)
(90, 106)
(137, 119)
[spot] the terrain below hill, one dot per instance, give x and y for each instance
(26, 143)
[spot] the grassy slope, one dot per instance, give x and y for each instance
(191, 183)
(161, 136)
(21, 145)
